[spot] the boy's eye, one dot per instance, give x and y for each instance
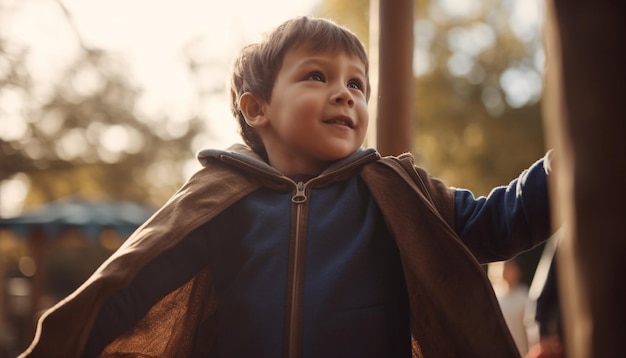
(315, 76)
(356, 84)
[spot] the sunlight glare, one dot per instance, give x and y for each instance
(461, 8)
(155, 37)
(87, 82)
(525, 19)
(12, 194)
(421, 61)
(72, 144)
(471, 40)
(521, 86)
(460, 64)
(51, 122)
(115, 138)
(12, 114)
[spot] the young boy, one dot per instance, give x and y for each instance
(303, 244)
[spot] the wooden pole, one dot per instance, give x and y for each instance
(374, 37)
(394, 107)
(584, 120)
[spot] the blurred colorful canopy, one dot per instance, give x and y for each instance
(76, 213)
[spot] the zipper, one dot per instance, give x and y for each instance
(297, 246)
(296, 275)
(300, 196)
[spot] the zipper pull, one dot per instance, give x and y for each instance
(299, 197)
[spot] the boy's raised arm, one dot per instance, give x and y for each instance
(510, 219)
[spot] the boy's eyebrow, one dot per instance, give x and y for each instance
(324, 60)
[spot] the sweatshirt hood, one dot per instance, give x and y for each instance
(243, 154)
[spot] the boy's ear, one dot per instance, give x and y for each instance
(253, 109)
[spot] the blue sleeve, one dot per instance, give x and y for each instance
(511, 219)
(124, 309)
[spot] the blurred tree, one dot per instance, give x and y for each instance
(77, 130)
(87, 138)
(84, 136)
(352, 14)
(478, 85)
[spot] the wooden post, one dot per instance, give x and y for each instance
(584, 120)
(394, 55)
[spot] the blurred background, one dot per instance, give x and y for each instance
(103, 105)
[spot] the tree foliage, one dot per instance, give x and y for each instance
(472, 128)
(84, 136)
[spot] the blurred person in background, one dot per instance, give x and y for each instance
(512, 295)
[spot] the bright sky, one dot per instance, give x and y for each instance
(152, 36)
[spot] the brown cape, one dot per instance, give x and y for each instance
(454, 312)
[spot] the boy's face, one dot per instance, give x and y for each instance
(317, 112)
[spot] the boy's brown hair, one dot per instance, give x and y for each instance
(256, 68)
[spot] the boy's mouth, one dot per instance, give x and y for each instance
(341, 120)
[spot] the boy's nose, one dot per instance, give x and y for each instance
(343, 96)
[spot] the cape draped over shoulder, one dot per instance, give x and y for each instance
(454, 311)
